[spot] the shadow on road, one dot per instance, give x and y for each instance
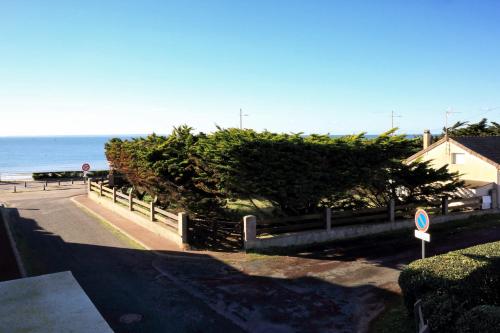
(185, 292)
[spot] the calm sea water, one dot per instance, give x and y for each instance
(20, 156)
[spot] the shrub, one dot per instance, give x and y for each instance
(466, 277)
(441, 310)
(68, 174)
(482, 318)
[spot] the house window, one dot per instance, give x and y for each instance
(458, 158)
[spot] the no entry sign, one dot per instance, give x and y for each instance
(85, 167)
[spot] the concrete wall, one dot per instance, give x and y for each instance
(157, 227)
(347, 232)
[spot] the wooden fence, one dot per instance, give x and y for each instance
(391, 213)
(147, 209)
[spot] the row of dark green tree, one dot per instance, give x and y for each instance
(200, 173)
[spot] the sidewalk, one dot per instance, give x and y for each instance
(149, 240)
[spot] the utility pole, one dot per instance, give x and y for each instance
(241, 118)
(446, 115)
(393, 115)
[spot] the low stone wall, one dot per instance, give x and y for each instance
(339, 233)
(157, 227)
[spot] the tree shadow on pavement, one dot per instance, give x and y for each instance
(186, 292)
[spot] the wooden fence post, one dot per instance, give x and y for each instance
(25, 185)
(130, 202)
(391, 209)
(89, 185)
(182, 226)
(114, 194)
(72, 181)
(100, 189)
(152, 211)
(328, 218)
(14, 188)
(58, 183)
(444, 206)
(249, 230)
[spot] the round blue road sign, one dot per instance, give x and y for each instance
(422, 220)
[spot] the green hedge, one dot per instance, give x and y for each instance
(453, 282)
(68, 174)
(482, 318)
(296, 174)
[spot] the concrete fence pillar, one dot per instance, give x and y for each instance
(130, 202)
(444, 206)
(391, 210)
(328, 218)
(182, 226)
(114, 194)
(249, 229)
(152, 211)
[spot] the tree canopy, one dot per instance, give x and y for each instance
(298, 174)
(481, 128)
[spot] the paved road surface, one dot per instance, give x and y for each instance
(55, 235)
(334, 288)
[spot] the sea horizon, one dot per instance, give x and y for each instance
(21, 156)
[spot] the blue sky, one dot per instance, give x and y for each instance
(113, 67)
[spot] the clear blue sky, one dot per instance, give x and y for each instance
(109, 67)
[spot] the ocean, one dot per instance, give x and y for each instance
(21, 156)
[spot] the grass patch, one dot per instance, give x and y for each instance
(245, 207)
(394, 319)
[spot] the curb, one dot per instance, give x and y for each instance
(12, 241)
(100, 217)
(103, 219)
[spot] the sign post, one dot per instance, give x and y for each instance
(422, 223)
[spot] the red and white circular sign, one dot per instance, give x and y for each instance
(85, 167)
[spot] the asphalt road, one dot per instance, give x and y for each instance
(55, 235)
(337, 287)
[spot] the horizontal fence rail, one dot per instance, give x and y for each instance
(147, 209)
(391, 213)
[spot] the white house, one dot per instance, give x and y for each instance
(476, 158)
